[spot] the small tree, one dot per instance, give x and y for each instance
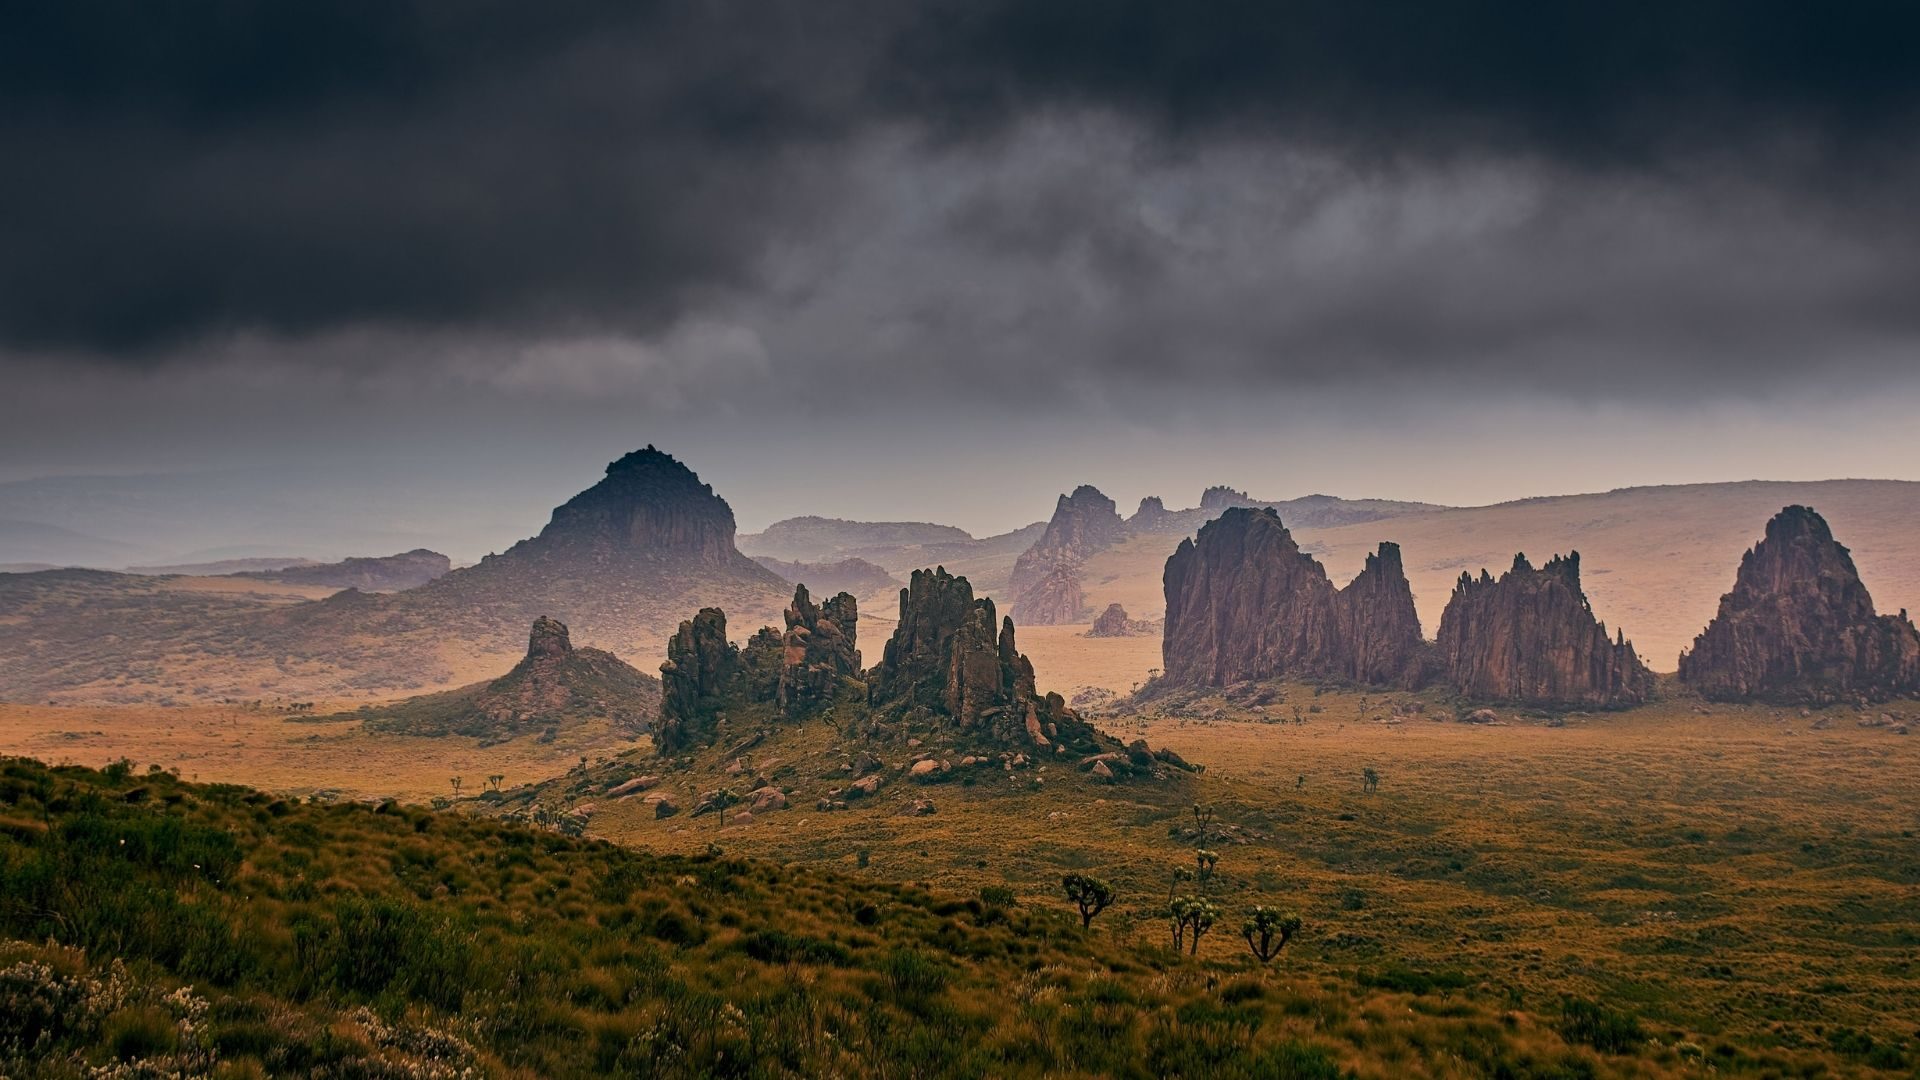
(1089, 894)
(1202, 820)
(1369, 780)
(1268, 930)
(456, 786)
(1204, 862)
(495, 779)
(1190, 917)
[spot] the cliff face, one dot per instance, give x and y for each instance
(1799, 626)
(1378, 625)
(952, 661)
(1531, 638)
(1244, 602)
(647, 503)
(1046, 577)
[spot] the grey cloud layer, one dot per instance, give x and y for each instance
(697, 204)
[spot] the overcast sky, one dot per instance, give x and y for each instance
(943, 260)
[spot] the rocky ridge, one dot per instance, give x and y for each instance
(1531, 637)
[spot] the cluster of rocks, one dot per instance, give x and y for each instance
(1244, 602)
(795, 672)
(1531, 636)
(1799, 626)
(952, 662)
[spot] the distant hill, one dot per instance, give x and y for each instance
(817, 539)
(221, 567)
(621, 563)
(856, 576)
(387, 573)
(554, 685)
(32, 542)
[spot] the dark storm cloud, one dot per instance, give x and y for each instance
(183, 170)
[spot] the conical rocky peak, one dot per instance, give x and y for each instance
(648, 504)
(1046, 577)
(1800, 625)
(1152, 516)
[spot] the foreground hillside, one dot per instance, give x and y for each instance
(187, 930)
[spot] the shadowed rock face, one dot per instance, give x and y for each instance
(1244, 602)
(1531, 638)
(817, 651)
(952, 660)
(1378, 625)
(1046, 577)
(701, 672)
(796, 672)
(1799, 626)
(647, 503)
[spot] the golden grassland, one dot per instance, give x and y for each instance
(1734, 878)
(1744, 881)
(287, 753)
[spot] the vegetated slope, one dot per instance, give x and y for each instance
(261, 935)
(621, 563)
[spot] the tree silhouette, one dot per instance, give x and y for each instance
(1369, 780)
(1090, 894)
(1268, 930)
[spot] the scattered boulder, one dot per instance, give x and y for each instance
(632, 787)
(664, 806)
(1799, 626)
(1101, 771)
(1481, 716)
(864, 786)
(761, 800)
(924, 770)
(917, 808)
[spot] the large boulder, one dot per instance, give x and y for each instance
(1799, 626)
(1531, 637)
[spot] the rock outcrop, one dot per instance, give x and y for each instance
(1046, 577)
(953, 663)
(1378, 624)
(553, 685)
(650, 503)
(1153, 516)
(1244, 602)
(1113, 622)
(1531, 638)
(781, 674)
(817, 652)
(1799, 626)
(1220, 497)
